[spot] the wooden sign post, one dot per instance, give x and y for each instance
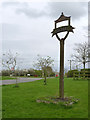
(55, 31)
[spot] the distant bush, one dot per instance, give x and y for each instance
(32, 72)
(71, 73)
(52, 74)
(6, 72)
(85, 72)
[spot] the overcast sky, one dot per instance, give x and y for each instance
(27, 27)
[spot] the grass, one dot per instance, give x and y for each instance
(7, 78)
(12, 78)
(21, 102)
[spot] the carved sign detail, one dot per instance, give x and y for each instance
(62, 29)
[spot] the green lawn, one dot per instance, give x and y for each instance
(7, 78)
(21, 102)
(12, 78)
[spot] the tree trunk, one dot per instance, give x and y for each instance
(45, 77)
(84, 69)
(61, 81)
(45, 80)
(84, 65)
(42, 74)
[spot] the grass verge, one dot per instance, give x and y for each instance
(7, 78)
(20, 102)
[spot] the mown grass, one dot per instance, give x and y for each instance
(12, 78)
(7, 78)
(21, 102)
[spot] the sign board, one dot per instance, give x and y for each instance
(62, 29)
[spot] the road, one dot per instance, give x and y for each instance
(19, 80)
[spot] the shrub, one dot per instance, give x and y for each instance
(85, 72)
(71, 73)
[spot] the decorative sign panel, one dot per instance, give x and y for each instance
(62, 29)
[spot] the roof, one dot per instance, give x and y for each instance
(62, 18)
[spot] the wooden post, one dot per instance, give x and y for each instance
(55, 31)
(61, 79)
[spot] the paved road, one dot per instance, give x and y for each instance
(20, 80)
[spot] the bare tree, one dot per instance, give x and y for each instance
(43, 64)
(9, 60)
(82, 53)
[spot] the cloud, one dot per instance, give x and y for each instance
(74, 9)
(50, 9)
(33, 36)
(32, 13)
(54, 9)
(89, 13)
(8, 4)
(10, 31)
(29, 9)
(89, 7)
(89, 19)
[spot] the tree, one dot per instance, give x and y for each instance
(43, 64)
(82, 53)
(38, 73)
(50, 71)
(9, 61)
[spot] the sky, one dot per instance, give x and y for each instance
(26, 28)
